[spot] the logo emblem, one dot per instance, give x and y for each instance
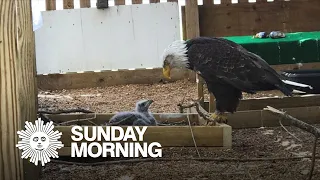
(39, 142)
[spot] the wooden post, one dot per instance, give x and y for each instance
(192, 31)
(17, 85)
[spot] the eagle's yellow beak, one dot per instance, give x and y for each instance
(166, 71)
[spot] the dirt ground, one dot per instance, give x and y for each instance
(247, 143)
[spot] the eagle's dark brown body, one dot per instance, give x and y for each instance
(228, 70)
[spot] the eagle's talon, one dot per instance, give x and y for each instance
(220, 118)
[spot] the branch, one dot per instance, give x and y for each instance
(203, 113)
(313, 158)
(302, 125)
(295, 122)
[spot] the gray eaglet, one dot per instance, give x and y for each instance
(140, 117)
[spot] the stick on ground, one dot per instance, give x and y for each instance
(302, 125)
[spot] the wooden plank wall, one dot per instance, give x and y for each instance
(243, 18)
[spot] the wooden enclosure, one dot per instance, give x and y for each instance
(219, 136)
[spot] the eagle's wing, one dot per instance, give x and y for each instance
(221, 60)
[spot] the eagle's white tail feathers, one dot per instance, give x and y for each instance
(297, 84)
(298, 92)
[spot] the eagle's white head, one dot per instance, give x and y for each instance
(175, 56)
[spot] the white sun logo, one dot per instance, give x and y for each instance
(39, 142)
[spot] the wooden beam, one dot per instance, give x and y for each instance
(192, 19)
(192, 31)
(170, 136)
(68, 4)
(85, 4)
(276, 102)
(263, 118)
(108, 78)
(102, 118)
(74, 80)
(17, 85)
(51, 5)
(211, 104)
(27, 82)
(11, 166)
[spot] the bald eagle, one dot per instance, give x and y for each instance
(228, 70)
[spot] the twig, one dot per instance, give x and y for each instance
(80, 120)
(288, 131)
(182, 159)
(182, 101)
(66, 111)
(203, 113)
(194, 140)
(302, 125)
(313, 158)
(295, 122)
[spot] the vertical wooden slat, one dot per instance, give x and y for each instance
(207, 2)
(119, 2)
(85, 4)
(27, 76)
(192, 31)
(212, 104)
(68, 4)
(172, 0)
(17, 84)
(102, 4)
(136, 1)
(226, 1)
(51, 5)
(154, 1)
(10, 162)
(183, 22)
